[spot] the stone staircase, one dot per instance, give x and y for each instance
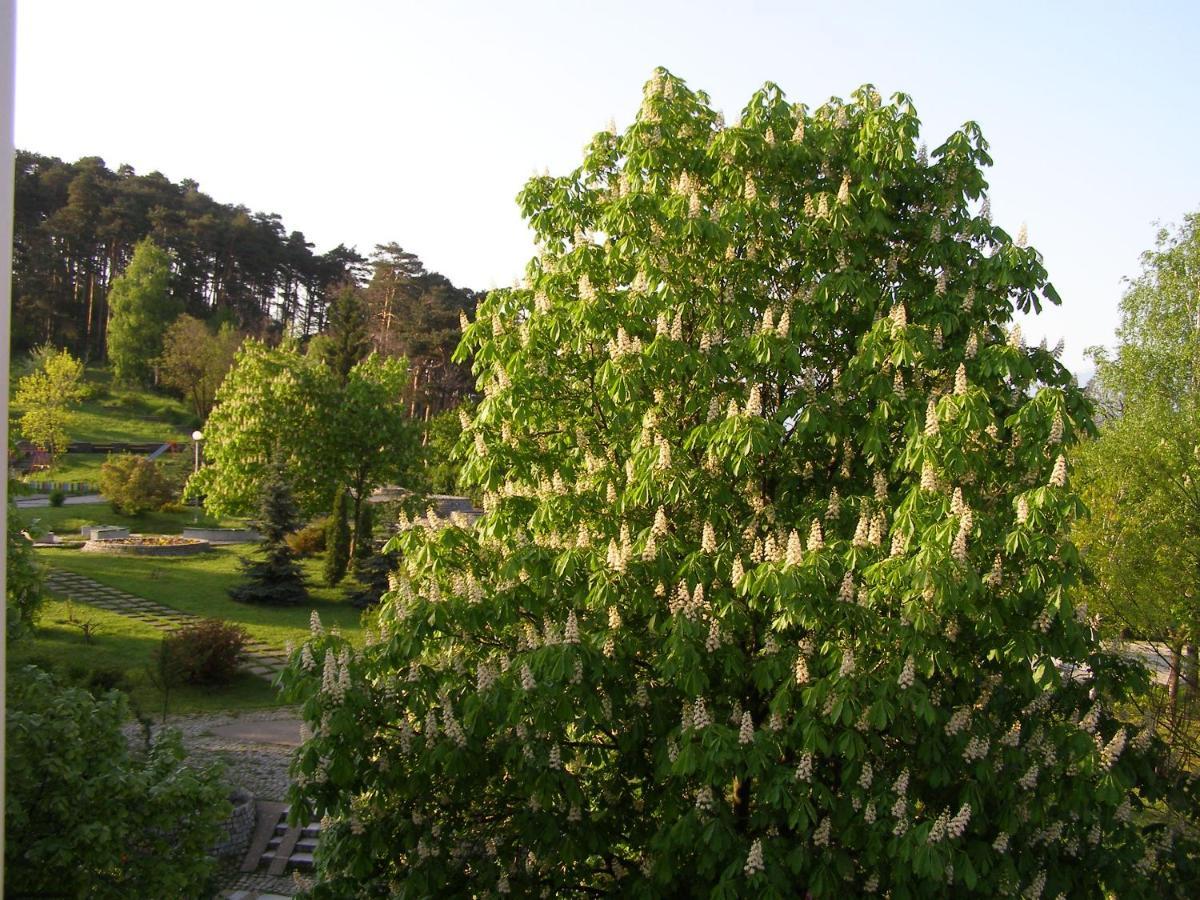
(280, 847)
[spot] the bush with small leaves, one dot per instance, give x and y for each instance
(134, 485)
(773, 582)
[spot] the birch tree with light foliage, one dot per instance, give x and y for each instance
(773, 573)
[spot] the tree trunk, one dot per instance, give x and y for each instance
(741, 801)
(1173, 682)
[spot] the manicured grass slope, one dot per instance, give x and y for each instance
(122, 644)
(198, 584)
(134, 415)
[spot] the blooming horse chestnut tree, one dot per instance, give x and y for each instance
(771, 592)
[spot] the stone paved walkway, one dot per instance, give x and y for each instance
(259, 658)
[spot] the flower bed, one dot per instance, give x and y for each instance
(147, 545)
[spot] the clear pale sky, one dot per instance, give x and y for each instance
(418, 122)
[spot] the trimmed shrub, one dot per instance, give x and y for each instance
(57, 498)
(337, 542)
(309, 540)
(207, 652)
(134, 485)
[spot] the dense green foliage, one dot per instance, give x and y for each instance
(329, 435)
(23, 584)
(1141, 476)
(48, 397)
(75, 228)
(276, 578)
(346, 341)
(441, 460)
(364, 532)
(134, 485)
(87, 817)
(774, 580)
(337, 541)
(140, 308)
(195, 359)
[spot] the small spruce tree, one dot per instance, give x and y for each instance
(276, 578)
(773, 585)
(337, 541)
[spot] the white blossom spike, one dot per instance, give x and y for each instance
(754, 859)
(960, 380)
(794, 549)
(1058, 478)
(754, 404)
(746, 731)
(931, 419)
(816, 537)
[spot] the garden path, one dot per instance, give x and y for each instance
(259, 658)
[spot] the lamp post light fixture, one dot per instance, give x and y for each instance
(197, 437)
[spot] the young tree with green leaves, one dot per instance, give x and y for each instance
(328, 436)
(23, 577)
(140, 309)
(195, 360)
(773, 583)
(1141, 476)
(134, 485)
(47, 397)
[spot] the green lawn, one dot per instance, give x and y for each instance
(122, 648)
(67, 520)
(198, 584)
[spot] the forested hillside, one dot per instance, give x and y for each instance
(76, 225)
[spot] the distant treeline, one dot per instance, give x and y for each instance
(76, 224)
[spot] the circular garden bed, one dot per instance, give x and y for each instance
(223, 535)
(148, 545)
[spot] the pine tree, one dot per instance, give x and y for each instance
(276, 579)
(337, 541)
(773, 580)
(348, 339)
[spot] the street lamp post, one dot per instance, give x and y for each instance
(197, 437)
